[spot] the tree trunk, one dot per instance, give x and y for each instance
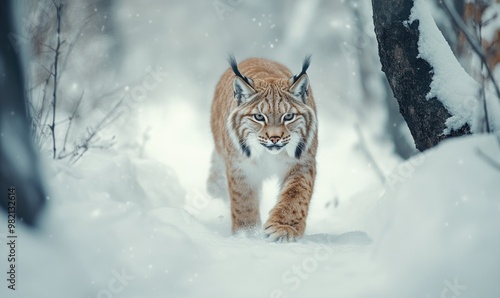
(21, 187)
(409, 77)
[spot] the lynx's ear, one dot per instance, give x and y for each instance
(242, 86)
(242, 91)
(300, 81)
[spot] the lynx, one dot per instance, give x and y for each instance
(264, 123)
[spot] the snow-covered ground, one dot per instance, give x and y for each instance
(120, 227)
(125, 224)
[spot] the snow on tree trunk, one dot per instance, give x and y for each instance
(410, 76)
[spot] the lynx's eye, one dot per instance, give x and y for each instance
(289, 117)
(259, 117)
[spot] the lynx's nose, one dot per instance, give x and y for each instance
(274, 139)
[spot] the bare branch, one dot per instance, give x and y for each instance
(92, 132)
(487, 21)
(52, 127)
(68, 128)
(485, 107)
(47, 70)
(53, 50)
(483, 87)
(75, 40)
(44, 98)
(53, 133)
(476, 47)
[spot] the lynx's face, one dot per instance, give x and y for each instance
(273, 116)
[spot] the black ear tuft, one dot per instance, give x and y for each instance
(232, 62)
(305, 66)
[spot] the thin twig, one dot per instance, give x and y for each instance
(483, 87)
(51, 48)
(68, 128)
(48, 71)
(75, 40)
(54, 91)
(486, 22)
(485, 107)
(35, 86)
(368, 154)
(86, 144)
(44, 99)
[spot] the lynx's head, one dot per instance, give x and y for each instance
(274, 113)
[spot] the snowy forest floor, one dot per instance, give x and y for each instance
(430, 230)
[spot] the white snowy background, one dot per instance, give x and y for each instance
(135, 221)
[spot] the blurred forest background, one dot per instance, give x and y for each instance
(119, 94)
(141, 77)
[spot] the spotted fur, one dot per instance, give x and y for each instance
(264, 123)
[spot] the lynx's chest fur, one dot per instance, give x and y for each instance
(267, 166)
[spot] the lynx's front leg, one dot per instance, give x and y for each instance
(244, 201)
(287, 220)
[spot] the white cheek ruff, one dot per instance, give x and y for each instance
(249, 147)
(237, 143)
(299, 145)
(255, 147)
(292, 145)
(312, 132)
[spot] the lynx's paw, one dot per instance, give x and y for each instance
(280, 232)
